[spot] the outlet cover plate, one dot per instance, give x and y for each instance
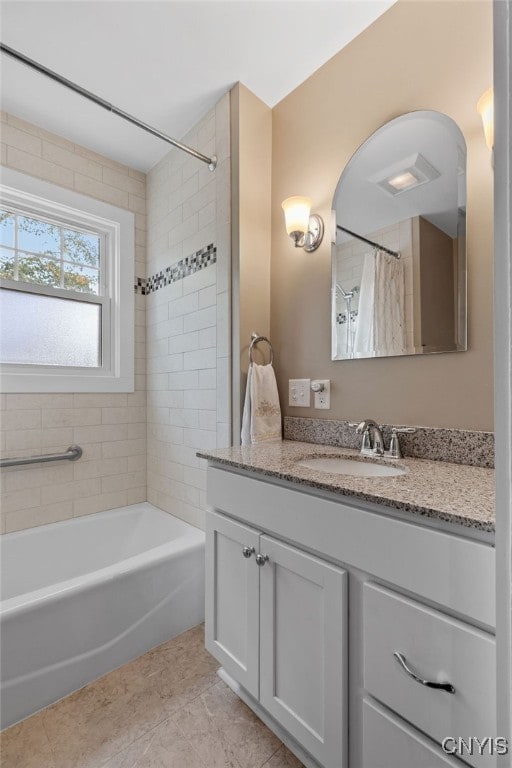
(299, 392)
(323, 398)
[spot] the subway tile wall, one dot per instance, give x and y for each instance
(111, 428)
(188, 320)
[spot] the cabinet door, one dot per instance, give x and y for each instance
(303, 649)
(232, 599)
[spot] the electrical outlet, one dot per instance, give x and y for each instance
(322, 390)
(299, 392)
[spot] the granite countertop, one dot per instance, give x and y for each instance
(454, 493)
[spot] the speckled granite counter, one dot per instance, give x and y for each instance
(454, 493)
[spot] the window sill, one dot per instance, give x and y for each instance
(63, 382)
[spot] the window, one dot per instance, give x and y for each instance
(66, 290)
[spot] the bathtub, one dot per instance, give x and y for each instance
(82, 597)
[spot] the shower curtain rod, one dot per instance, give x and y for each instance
(210, 161)
(396, 254)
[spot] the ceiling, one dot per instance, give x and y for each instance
(362, 206)
(163, 61)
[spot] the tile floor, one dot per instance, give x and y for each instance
(167, 709)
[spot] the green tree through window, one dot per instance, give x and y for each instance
(48, 254)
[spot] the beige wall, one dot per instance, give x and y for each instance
(111, 428)
(251, 137)
(418, 55)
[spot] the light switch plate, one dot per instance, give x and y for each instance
(323, 398)
(299, 392)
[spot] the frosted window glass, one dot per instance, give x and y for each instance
(45, 330)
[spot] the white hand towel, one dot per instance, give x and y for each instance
(262, 413)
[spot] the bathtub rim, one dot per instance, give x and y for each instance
(191, 539)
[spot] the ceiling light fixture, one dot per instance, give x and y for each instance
(407, 174)
(305, 228)
(403, 181)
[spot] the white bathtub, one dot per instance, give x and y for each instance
(82, 597)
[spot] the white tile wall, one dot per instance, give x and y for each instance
(111, 428)
(188, 322)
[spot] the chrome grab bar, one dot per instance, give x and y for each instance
(72, 454)
(448, 687)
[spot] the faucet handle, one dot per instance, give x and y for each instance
(364, 425)
(395, 451)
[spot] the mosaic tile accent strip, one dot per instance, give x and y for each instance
(140, 286)
(181, 269)
(341, 317)
(457, 446)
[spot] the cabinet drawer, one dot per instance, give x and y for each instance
(435, 647)
(391, 743)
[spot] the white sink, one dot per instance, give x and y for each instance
(343, 466)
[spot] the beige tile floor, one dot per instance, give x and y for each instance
(167, 709)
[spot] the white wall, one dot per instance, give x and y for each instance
(188, 320)
(111, 428)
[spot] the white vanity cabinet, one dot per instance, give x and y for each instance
(283, 633)
(276, 619)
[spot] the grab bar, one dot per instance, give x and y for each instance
(72, 454)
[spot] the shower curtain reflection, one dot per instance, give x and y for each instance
(380, 328)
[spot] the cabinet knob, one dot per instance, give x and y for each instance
(248, 551)
(448, 687)
(261, 559)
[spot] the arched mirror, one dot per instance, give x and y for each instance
(399, 256)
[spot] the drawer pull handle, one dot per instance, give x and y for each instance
(248, 551)
(261, 559)
(448, 687)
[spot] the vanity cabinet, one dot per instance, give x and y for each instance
(282, 631)
(276, 620)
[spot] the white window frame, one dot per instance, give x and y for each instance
(116, 226)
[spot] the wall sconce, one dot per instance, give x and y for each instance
(485, 108)
(305, 229)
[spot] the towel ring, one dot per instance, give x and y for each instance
(254, 340)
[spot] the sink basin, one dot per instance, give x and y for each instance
(339, 465)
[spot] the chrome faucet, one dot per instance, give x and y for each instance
(373, 445)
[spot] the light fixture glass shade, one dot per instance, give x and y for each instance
(296, 213)
(485, 109)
